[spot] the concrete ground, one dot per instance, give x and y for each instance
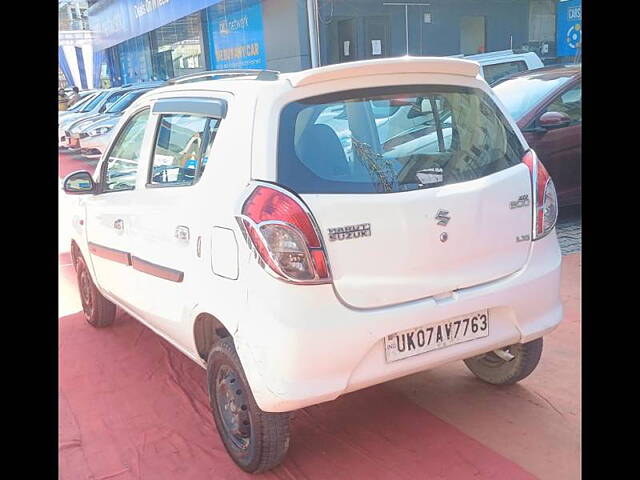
(132, 406)
(569, 230)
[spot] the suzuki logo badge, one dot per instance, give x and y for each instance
(443, 217)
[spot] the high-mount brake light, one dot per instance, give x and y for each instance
(283, 233)
(545, 199)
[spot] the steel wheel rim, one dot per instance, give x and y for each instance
(492, 360)
(85, 292)
(233, 407)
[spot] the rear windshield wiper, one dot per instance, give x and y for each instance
(430, 177)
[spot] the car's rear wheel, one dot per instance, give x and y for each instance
(256, 440)
(98, 311)
(513, 364)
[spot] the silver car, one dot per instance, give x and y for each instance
(94, 133)
(96, 106)
(74, 109)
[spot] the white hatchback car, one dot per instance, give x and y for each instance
(233, 218)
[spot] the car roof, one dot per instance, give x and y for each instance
(546, 73)
(252, 80)
(393, 65)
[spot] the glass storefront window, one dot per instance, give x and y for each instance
(177, 48)
(113, 67)
(135, 60)
(236, 38)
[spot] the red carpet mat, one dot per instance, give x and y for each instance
(132, 406)
(68, 162)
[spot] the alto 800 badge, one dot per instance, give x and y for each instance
(350, 231)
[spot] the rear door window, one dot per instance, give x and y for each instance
(393, 139)
(570, 103)
(181, 147)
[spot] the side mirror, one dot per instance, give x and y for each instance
(552, 120)
(78, 183)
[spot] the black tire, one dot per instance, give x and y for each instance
(98, 311)
(257, 441)
(493, 369)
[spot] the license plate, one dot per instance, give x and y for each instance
(433, 337)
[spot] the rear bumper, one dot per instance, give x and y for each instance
(317, 349)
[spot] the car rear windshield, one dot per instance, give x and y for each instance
(393, 139)
(520, 94)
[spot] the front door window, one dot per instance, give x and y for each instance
(122, 164)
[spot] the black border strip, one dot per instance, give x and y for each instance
(157, 270)
(110, 253)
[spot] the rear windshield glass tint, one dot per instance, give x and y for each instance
(519, 95)
(493, 73)
(392, 139)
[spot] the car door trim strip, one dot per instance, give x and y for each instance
(110, 253)
(157, 270)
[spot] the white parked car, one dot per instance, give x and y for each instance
(233, 223)
(497, 65)
(94, 134)
(72, 111)
(92, 109)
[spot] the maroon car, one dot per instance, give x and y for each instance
(547, 106)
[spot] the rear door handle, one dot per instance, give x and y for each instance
(119, 224)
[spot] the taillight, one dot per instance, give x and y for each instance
(283, 234)
(545, 199)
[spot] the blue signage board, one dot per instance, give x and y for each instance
(114, 21)
(236, 38)
(569, 27)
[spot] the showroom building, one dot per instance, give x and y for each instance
(147, 40)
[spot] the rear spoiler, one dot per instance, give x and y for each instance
(444, 65)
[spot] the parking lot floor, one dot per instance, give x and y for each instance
(133, 406)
